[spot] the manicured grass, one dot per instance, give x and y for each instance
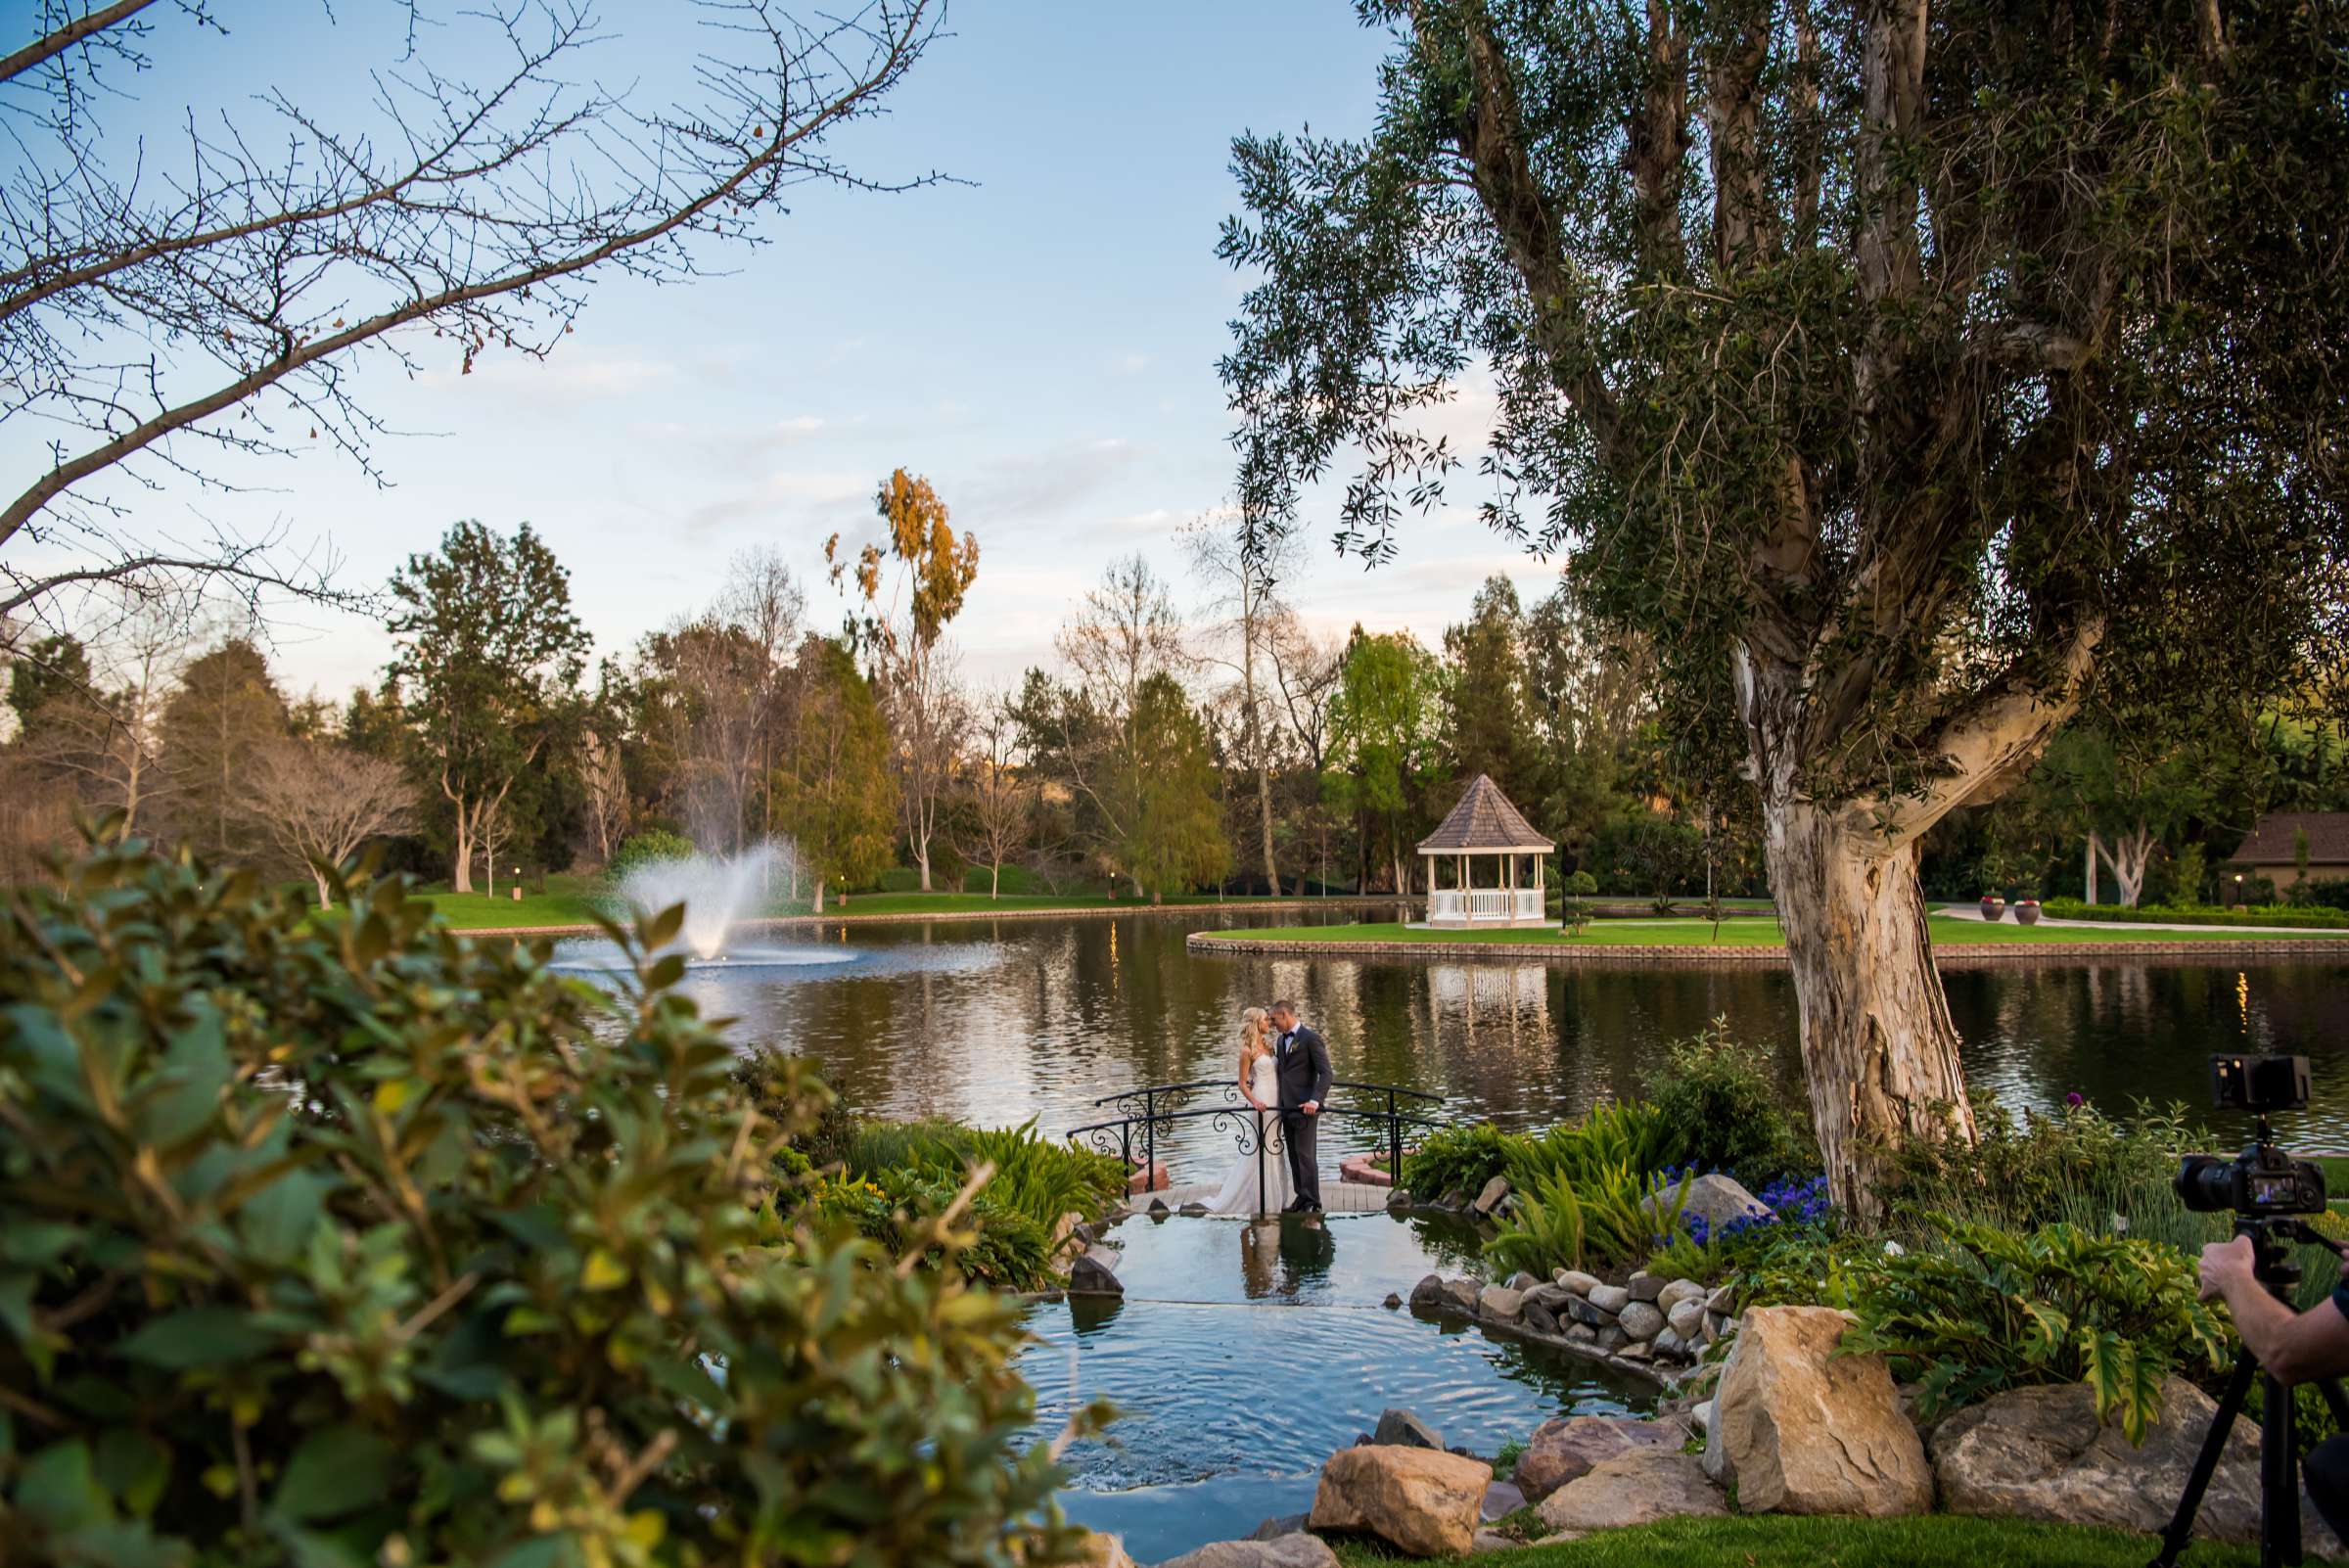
(572, 902)
(1774, 1541)
(1749, 932)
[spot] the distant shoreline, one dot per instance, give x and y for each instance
(1769, 955)
(880, 917)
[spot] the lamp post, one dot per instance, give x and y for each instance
(2238, 890)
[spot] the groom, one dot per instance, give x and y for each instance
(1302, 1063)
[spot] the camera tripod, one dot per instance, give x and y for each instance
(2279, 1435)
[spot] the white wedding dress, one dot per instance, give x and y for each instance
(1238, 1194)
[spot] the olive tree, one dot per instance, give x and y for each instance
(1898, 371)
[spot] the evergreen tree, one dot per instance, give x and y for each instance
(1175, 839)
(55, 666)
(227, 708)
(1385, 742)
(834, 792)
(1488, 723)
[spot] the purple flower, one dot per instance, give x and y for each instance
(2073, 1101)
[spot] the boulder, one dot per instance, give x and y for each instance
(1644, 1286)
(1097, 1551)
(1719, 1200)
(1484, 1541)
(1634, 1488)
(1609, 1298)
(1569, 1447)
(1194, 1209)
(1500, 1304)
(1287, 1524)
(1612, 1338)
(1429, 1291)
(1679, 1291)
(1460, 1296)
(1399, 1201)
(1452, 1199)
(1584, 1310)
(1393, 1302)
(1490, 1199)
(1722, 1301)
(1638, 1349)
(1687, 1319)
(2041, 1454)
(1576, 1280)
(1553, 1297)
(1800, 1429)
(1700, 1415)
(1502, 1498)
(1581, 1333)
(1667, 1346)
(1294, 1550)
(1091, 1273)
(1642, 1321)
(1539, 1317)
(1420, 1502)
(1068, 1228)
(1151, 1178)
(1159, 1209)
(1521, 1280)
(1402, 1429)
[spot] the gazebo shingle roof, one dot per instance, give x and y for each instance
(1484, 820)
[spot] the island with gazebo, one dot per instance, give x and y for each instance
(1495, 861)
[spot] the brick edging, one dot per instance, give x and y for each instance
(1681, 957)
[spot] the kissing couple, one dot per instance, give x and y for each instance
(1284, 1073)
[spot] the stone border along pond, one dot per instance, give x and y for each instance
(1684, 956)
(1788, 1425)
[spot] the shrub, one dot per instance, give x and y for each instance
(1799, 1212)
(648, 847)
(1617, 1135)
(1610, 1216)
(342, 1240)
(1456, 1159)
(2075, 1165)
(2264, 912)
(1035, 1177)
(1725, 1111)
(1988, 1310)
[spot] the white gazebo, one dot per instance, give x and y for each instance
(1483, 827)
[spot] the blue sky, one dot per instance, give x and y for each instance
(1040, 341)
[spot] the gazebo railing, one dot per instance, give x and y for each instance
(1472, 905)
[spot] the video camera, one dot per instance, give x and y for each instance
(2261, 1181)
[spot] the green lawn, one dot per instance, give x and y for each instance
(570, 901)
(1746, 932)
(1936, 1541)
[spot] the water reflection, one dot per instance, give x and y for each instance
(1001, 1021)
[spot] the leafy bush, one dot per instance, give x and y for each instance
(1608, 1215)
(2075, 1165)
(1799, 1212)
(342, 1240)
(1989, 1309)
(1008, 1251)
(648, 847)
(1726, 1112)
(2325, 892)
(1037, 1177)
(1456, 1159)
(2309, 915)
(1617, 1135)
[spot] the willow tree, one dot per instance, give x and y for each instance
(1897, 372)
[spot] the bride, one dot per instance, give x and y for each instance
(1260, 1086)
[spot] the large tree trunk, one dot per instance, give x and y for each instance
(461, 878)
(1880, 1051)
(2128, 855)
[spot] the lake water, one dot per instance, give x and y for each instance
(998, 1022)
(1244, 1353)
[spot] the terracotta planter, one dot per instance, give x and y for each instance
(2026, 911)
(1992, 909)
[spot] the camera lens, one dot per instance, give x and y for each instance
(2205, 1182)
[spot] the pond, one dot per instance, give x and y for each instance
(996, 1022)
(1246, 1352)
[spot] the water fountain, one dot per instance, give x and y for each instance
(720, 892)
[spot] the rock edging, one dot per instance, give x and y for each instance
(1644, 955)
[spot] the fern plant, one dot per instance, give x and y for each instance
(1986, 1310)
(1618, 1135)
(1614, 1214)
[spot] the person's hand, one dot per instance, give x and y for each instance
(1310, 1107)
(2225, 1263)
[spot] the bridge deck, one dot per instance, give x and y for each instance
(1337, 1197)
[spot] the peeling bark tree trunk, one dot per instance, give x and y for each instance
(1879, 1050)
(2128, 855)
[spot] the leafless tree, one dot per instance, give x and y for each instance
(604, 788)
(172, 309)
(105, 744)
(1125, 631)
(492, 830)
(997, 822)
(318, 804)
(928, 718)
(1306, 671)
(1243, 610)
(763, 598)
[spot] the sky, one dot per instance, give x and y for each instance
(1039, 338)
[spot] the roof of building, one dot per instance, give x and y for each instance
(2275, 839)
(1484, 820)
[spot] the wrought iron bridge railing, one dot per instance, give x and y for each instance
(1133, 1135)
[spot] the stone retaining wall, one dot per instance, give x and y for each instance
(1946, 956)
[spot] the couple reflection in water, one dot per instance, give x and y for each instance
(1285, 1254)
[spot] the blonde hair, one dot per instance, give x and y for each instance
(1254, 1023)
